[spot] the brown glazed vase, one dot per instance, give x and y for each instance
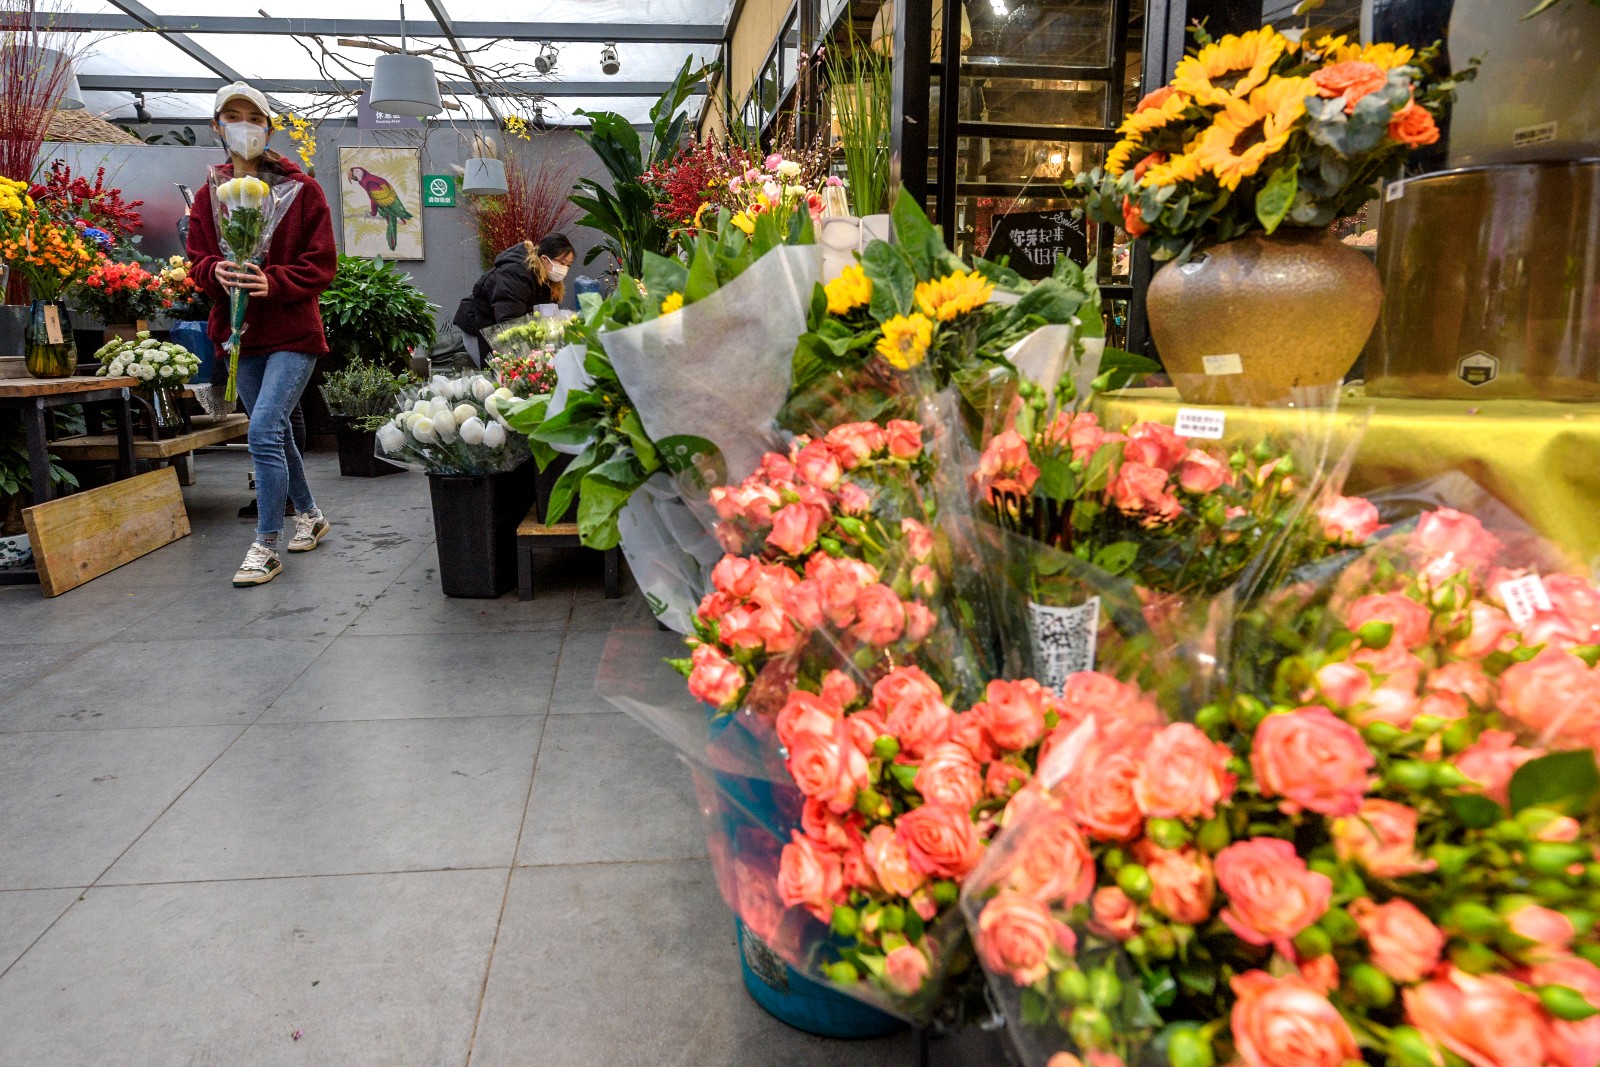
(1278, 315)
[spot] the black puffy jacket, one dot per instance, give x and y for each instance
(508, 290)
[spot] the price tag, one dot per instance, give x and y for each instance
(140, 326)
(1524, 598)
(1198, 422)
(1394, 191)
(1527, 136)
(1226, 364)
(1064, 640)
(52, 324)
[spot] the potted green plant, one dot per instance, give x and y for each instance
(16, 493)
(371, 312)
(360, 396)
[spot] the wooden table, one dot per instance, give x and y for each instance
(204, 431)
(35, 396)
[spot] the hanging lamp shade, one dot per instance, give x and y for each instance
(405, 85)
(71, 94)
(485, 177)
(882, 37)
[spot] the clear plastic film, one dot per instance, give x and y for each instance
(453, 426)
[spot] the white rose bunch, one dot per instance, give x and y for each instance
(454, 426)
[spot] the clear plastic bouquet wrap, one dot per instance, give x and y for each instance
(1376, 846)
(247, 212)
(453, 426)
(523, 353)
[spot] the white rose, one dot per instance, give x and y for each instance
(443, 386)
(463, 412)
(159, 357)
(166, 372)
(504, 394)
(438, 406)
(788, 169)
(390, 439)
(414, 417)
(481, 387)
(444, 420)
(421, 407)
(472, 430)
(422, 430)
(115, 370)
(494, 435)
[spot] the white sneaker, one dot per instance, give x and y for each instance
(309, 528)
(259, 567)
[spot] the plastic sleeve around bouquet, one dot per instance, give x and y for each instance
(247, 212)
(452, 426)
(709, 379)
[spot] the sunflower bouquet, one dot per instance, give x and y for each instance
(1258, 131)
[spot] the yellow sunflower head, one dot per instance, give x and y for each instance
(1184, 167)
(905, 340)
(1341, 50)
(850, 290)
(953, 295)
(1121, 156)
(1248, 132)
(1230, 69)
(673, 302)
(1170, 106)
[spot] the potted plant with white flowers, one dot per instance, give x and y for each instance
(453, 429)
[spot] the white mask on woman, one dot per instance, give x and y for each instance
(244, 139)
(554, 271)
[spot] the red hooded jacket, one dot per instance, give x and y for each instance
(300, 264)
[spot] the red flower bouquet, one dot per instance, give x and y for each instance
(121, 293)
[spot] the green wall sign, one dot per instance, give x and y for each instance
(438, 190)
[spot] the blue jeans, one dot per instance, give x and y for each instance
(270, 386)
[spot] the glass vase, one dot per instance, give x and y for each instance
(44, 357)
(165, 411)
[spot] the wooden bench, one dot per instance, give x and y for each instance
(204, 432)
(533, 535)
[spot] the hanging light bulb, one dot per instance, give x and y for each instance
(610, 62)
(545, 61)
(404, 84)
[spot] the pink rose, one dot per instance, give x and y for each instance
(1450, 543)
(919, 723)
(1155, 444)
(1556, 695)
(905, 968)
(819, 465)
(1396, 706)
(1411, 621)
(919, 540)
(1284, 1022)
(736, 576)
(1403, 943)
(1562, 828)
(830, 829)
(1006, 466)
(1321, 974)
(1272, 895)
(1490, 628)
(1140, 489)
(880, 617)
(1348, 520)
(856, 441)
(839, 689)
(1382, 838)
(1466, 678)
(1002, 779)
(1314, 758)
(920, 622)
(854, 500)
(1572, 1044)
(1015, 713)
(865, 728)
(1553, 629)
(901, 684)
(807, 713)
(1112, 914)
(714, 678)
(1101, 797)
(1343, 685)
(1575, 597)
(794, 529)
(1055, 866)
(1394, 665)
(810, 877)
(1202, 473)
(1015, 936)
(890, 863)
(776, 467)
(940, 839)
(1492, 760)
(905, 439)
(1183, 881)
(1485, 1020)
(1550, 931)
(1185, 774)
(970, 731)
(829, 768)
(1449, 707)
(949, 775)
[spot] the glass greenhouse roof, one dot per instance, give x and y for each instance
(309, 54)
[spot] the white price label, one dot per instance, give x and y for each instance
(1526, 136)
(1224, 364)
(1524, 598)
(1198, 422)
(1064, 640)
(1394, 191)
(52, 324)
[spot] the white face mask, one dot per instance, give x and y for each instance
(555, 271)
(244, 139)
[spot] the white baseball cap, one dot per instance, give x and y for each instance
(238, 91)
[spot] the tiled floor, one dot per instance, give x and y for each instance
(343, 807)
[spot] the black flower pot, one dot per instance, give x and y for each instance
(475, 518)
(358, 451)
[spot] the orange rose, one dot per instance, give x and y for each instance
(1183, 886)
(1572, 1044)
(1102, 797)
(1312, 758)
(949, 775)
(1413, 125)
(1352, 80)
(890, 863)
(810, 876)
(1015, 936)
(1055, 866)
(940, 840)
(1381, 837)
(1133, 219)
(1487, 1020)
(1272, 895)
(1113, 914)
(1284, 1022)
(1185, 774)
(1405, 945)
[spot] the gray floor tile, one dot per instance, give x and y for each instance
(415, 604)
(635, 964)
(127, 683)
(23, 664)
(277, 609)
(609, 790)
(596, 613)
(71, 802)
(594, 661)
(85, 615)
(376, 970)
(25, 914)
(347, 798)
(390, 677)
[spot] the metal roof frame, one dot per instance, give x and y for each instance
(557, 32)
(158, 84)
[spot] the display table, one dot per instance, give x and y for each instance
(35, 396)
(1539, 458)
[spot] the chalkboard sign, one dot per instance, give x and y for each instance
(1034, 240)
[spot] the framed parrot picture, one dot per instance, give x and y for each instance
(381, 198)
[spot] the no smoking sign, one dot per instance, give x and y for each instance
(438, 190)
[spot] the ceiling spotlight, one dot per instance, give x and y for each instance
(609, 62)
(545, 61)
(140, 112)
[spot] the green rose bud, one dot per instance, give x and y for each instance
(1262, 452)
(886, 748)
(946, 893)
(1449, 776)
(893, 919)
(1475, 958)
(1472, 919)
(1508, 830)
(1340, 928)
(1554, 857)
(1566, 1003)
(1370, 986)
(1163, 942)
(1072, 986)
(1167, 833)
(1105, 990)
(1452, 859)
(846, 921)
(1212, 719)
(1313, 942)
(1249, 712)
(1188, 1047)
(1382, 734)
(842, 973)
(1556, 891)
(1090, 1027)
(1213, 836)
(1376, 634)
(1134, 880)
(1408, 1048)
(1113, 860)
(1137, 947)
(1458, 737)
(1414, 775)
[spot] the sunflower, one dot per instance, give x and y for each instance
(850, 290)
(905, 340)
(1121, 155)
(1386, 56)
(673, 302)
(1185, 167)
(1247, 132)
(953, 295)
(1167, 108)
(1230, 69)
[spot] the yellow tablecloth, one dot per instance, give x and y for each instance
(1540, 458)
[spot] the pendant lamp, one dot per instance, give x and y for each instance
(71, 93)
(485, 177)
(404, 84)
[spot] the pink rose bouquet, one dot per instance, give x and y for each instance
(1382, 853)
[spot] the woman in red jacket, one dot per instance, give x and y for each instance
(283, 323)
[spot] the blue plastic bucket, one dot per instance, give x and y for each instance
(792, 998)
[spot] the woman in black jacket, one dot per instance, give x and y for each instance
(523, 277)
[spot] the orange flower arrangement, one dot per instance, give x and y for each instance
(50, 255)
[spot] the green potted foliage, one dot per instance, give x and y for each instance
(372, 312)
(360, 396)
(16, 493)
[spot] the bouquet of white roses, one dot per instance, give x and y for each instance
(454, 426)
(247, 212)
(157, 364)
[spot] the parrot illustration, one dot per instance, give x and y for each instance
(385, 201)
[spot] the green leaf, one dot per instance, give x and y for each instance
(892, 280)
(1476, 812)
(1116, 558)
(1563, 781)
(1277, 196)
(566, 486)
(1056, 479)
